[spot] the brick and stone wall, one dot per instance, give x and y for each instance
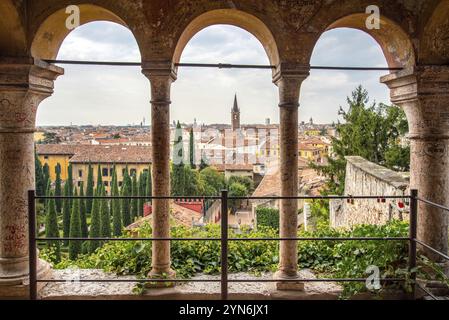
(369, 179)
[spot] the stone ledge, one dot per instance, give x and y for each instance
(189, 291)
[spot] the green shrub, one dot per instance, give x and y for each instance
(335, 259)
(268, 217)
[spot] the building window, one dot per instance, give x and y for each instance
(111, 171)
(46, 157)
(120, 183)
(105, 172)
(133, 172)
(80, 173)
(79, 184)
(106, 183)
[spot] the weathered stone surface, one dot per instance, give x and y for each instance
(23, 85)
(364, 178)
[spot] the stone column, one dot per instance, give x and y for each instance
(288, 78)
(23, 85)
(161, 76)
(423, 93)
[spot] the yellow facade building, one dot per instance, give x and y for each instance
(136, 158)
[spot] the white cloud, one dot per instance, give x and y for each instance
(108, 95)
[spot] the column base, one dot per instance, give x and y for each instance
(288, 286)
(18, 286)
(156, 274)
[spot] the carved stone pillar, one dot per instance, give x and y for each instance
(423, 93)
(288, 78)
(161, 76)
(23, 85)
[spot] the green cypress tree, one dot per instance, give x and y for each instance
(58, 188)
(148, 185)
(70, 181)
(83, 214)
(89, 188)
(47, 192)
(75, 246)
(141, 192)
(115, 207)
(39, 173)
(192, 149)
(51, 228)
(105, 216)
(95, 225)
(66, 212)
(134, 202)
(46, 173)
(177, 181)
(99, 178)
(126, 214)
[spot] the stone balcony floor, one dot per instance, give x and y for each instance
(191, 290)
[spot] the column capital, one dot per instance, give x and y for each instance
(426, 81)
(24, 83)
(290, 70)
(152, 69)
(289, 77)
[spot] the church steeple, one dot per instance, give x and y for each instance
(235, 108)
(235, 115)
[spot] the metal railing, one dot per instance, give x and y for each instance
(224, 239)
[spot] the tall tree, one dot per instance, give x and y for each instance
(46, 173)
(148, 185)
(125, 203)
(99, 178)
(40, 180)
(70, 180)
(58, 188)
(95, 225)
(134, 201)
(115, 206)
(105, 216)
(89, 188)
(47, 192)
(178, 178)
(51, 228)
(75, 246)
(192, 149)
(66, 213)
(370, 131)
(141, 193)
(83, 214)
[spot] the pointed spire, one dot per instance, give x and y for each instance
(235, 108)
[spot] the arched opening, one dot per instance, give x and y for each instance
(365, 135)
(435, 42)
(236, 18)
(231, 106)
(51, 33)
(90, 103)
(12, 34)
(394, 42)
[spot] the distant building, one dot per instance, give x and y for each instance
(235, 112)
(136, 158)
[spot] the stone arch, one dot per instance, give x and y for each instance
(434, 48)
(52, 32)
(237, 18)
(12, 33)
(393, 40)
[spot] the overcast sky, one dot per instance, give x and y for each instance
(120, 95)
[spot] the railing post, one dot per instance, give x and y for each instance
(32, 244)
(224, 245)
(412, 235)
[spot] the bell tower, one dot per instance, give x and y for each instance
(235, 112)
